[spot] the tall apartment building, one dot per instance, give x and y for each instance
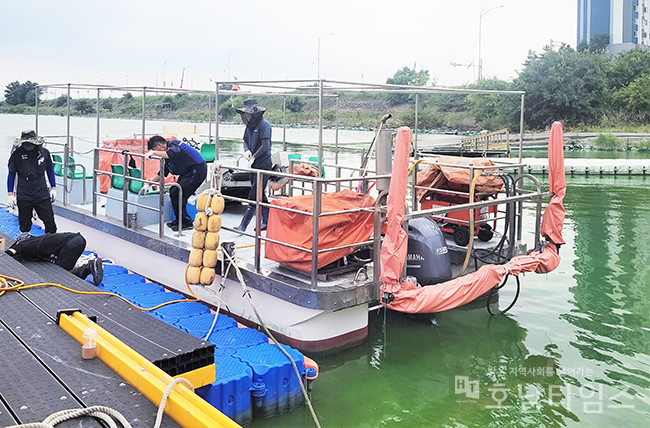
(626, 22)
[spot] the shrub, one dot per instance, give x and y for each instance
(608, 142)
(643, 146)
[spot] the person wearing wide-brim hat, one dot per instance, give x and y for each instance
(31, 162)
(257, 151)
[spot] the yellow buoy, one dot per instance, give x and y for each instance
(202, 202)
(207, 276)
(209, 258)
(201, 221)
(212, 241)
(198, 240)
(196, 257)
(194, 275)
(217, 204)
(214, 223)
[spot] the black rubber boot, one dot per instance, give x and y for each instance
(265, 217)
(246, 218)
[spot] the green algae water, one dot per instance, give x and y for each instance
(574, 350)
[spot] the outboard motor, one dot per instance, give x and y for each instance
(427, 258)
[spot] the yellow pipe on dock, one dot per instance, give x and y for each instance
(183, 405)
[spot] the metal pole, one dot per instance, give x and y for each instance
(161, 198)
(521, 132)
(66, 152)
(314, 232)
(480, 60)
(36, 112)
(96, 159)
(95, 167)
(284, 123)
(209, 118)
(414, 199)
(258, 221)
(98, 94)
(320, 125)
(144, 111)
(336, 135)
(216, 121)
(520, 207)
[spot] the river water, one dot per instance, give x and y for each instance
(573, 351)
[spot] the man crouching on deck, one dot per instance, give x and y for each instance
(184, 161)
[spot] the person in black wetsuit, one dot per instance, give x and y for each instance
(30, 161)
(63, 249)
(186, 162)
(257, 151)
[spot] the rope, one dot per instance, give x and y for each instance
(471, 224)
(104, 413)
(266, 330)
(163, 401)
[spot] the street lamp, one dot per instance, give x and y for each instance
(480, 23)
(164, 72)
(319, 39)
(230, 53)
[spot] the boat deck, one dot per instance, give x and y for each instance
(43, 371)
(333, 291)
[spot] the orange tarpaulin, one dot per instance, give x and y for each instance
(406, 296)
(131, 145)
(452, 178)
(334, 230)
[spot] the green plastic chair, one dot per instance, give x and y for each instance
(134, 185)
(117, 181)
(72, 170)
(208, 152)
(57, 162)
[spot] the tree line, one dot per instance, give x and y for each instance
(583, 87)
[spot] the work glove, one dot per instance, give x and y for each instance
(11, 201)
(52, 194)
(148, 154)
(250, 162)
(248, 155)
(144, 189)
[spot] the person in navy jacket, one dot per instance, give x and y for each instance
(186, 162)
(257, 151)
(31, 162)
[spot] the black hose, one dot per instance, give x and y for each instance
(497, 249)
(498, 287)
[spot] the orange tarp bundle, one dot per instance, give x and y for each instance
(409, 297)
(131, 145)
(306, 169)
(452, 178)
(333, 231)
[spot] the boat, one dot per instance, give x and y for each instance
(321, 266)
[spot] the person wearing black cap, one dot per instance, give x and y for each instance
(185, 161)
(30, 161)
(257, 151)
(64, 249)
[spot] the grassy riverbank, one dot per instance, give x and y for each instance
(437, 113)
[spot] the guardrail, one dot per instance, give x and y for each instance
(498, 141)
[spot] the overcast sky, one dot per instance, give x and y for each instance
(149, 43)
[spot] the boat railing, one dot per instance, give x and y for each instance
(316, 186)
(126, 178)
(67, 168)
(513, 201)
